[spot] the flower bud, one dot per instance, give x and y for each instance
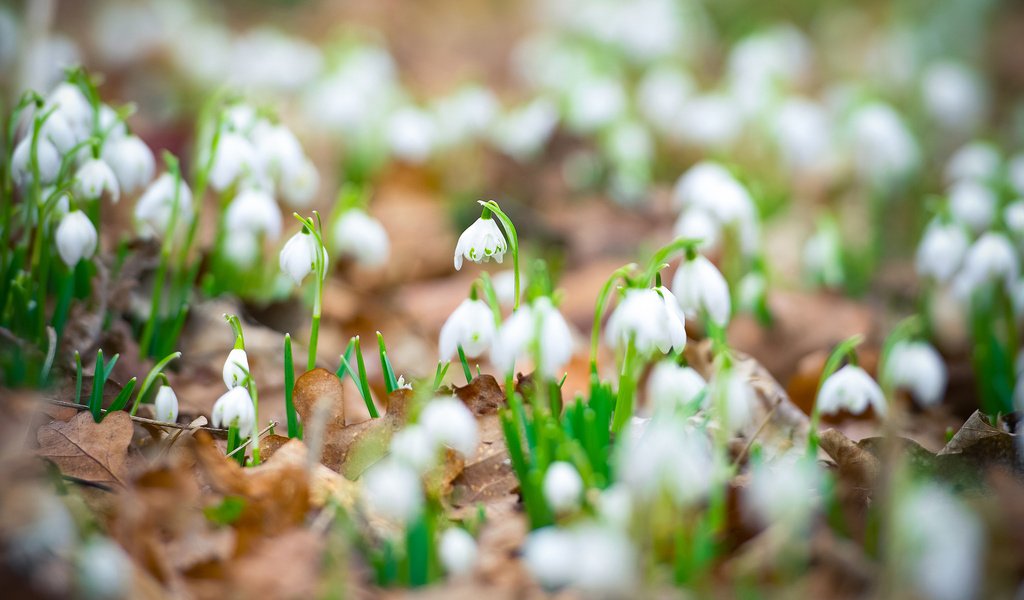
(76, 238)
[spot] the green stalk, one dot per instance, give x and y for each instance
(442, 369)
(390, 380)
(627, 388)
(364, 384)
(465, 365)
(148, 331)
(78, 378)
(151, 378)
(599, 307)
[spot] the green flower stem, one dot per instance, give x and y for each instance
(665, 253)
(513, 242)
(622, 273)
(442, 370)
(313, 226)
(78, 378)
(627, 388)
(256, 422)
(491, 297)
(234, 440)
(151, 377)
(149, 330)
(845, 348)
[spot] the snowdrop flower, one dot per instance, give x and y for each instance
(361, 237)
(94, 178)
(298, 257)
(753, 289)
(954, 96)
(233, 158)
(991, 259)
(411, 134)
(884, 149)
(131, 160)
(918, 367)
(738, 399)
(73, 106)
(709, 121)
(709, 187)
(236, 368)
(471, 325)
(942, 250)
(973, 204)
(46, 155)
(241, 248)
(235, 408)
(595, 103)
(850, 389)
(701, 289)
(275, 145)
(822, 255)
(480, 242)
(76, 238)
(672, 387)
(457, 551)
(979, 161)
(466, 113)
(662, 93)
(448, 422)
(166, 405)
(802, 131)
(615, 506)
(666, 455)
(155, 207)
(57, 131)
(539, 322)
(562, 487)
(254, 210)
(651, 318)
(102, 569)
(505, 287)
(299, 183)
(605, 561)
(939, 544)
(550, 555)
(522, 132)
(785, 491)
(697, 224)
(415, 447)
(393, 490)
(1013, 216)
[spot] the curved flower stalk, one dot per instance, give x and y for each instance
(304, 253)
(238, 408)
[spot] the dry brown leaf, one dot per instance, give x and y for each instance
(483, 395)
(855, 463)
(320, 385)
(82, 448)
(285, 566)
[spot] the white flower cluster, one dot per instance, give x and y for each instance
(235, 407)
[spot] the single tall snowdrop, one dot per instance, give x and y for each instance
(448, 422)
(236, 368)
(298, 256)
(155, 208)
(918, 368)
(76, 238)
(850, 389)
(973, 203)
(165, 406)
(47, 158)
(471, 325)
(480, 242)
(394, 491)
(991, 259)
(94, 179)
(235, 408)
(671, 387)
(651, 318)
(537, 326)
(941, 251)
(457, 551)
(701, 290)
(234, 158)
(254, 210)
(562, 487)
(361, 237)
(131, 160)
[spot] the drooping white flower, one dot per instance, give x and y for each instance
(361, 237)
(979, 161)
(550, 555)
(884, 150)
(412, 134)
(235, 408)
(991, 259)
(731, 391)
(605, 561)
(540, 326)
(480, 242)
(254, 210)
(73, 106)
(615, 506)
(850, 389)
(701, 289)
(413, 446)
(155, 207)
(562, 487)
(131, 160)
(95, 178)
(803, 132)
(241, 248)
(711, 187)
(234, 157)
(470, 325)
(594, 103)
(448, 422)
(822, 255)
(505, 286)
(457, 551)
(76, 238)
(954, 96)
(57, 130)
(697, 224)
(275, 145)
(464, 114)
(47, 158)
(973, 204)
(666, 456)
(785, 491)
(918, 368)
(651, 318)
(236, 368)
(939, 544)
(298, 257)
(942, 250)
(662, 93)
(709, 121)
(671, 387)
(522, 132)
(165, 406)
(299, 183)
(393, 490)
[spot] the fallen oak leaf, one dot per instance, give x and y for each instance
(320, 385)
(854, 462)
(482, 395)
(87, 450)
